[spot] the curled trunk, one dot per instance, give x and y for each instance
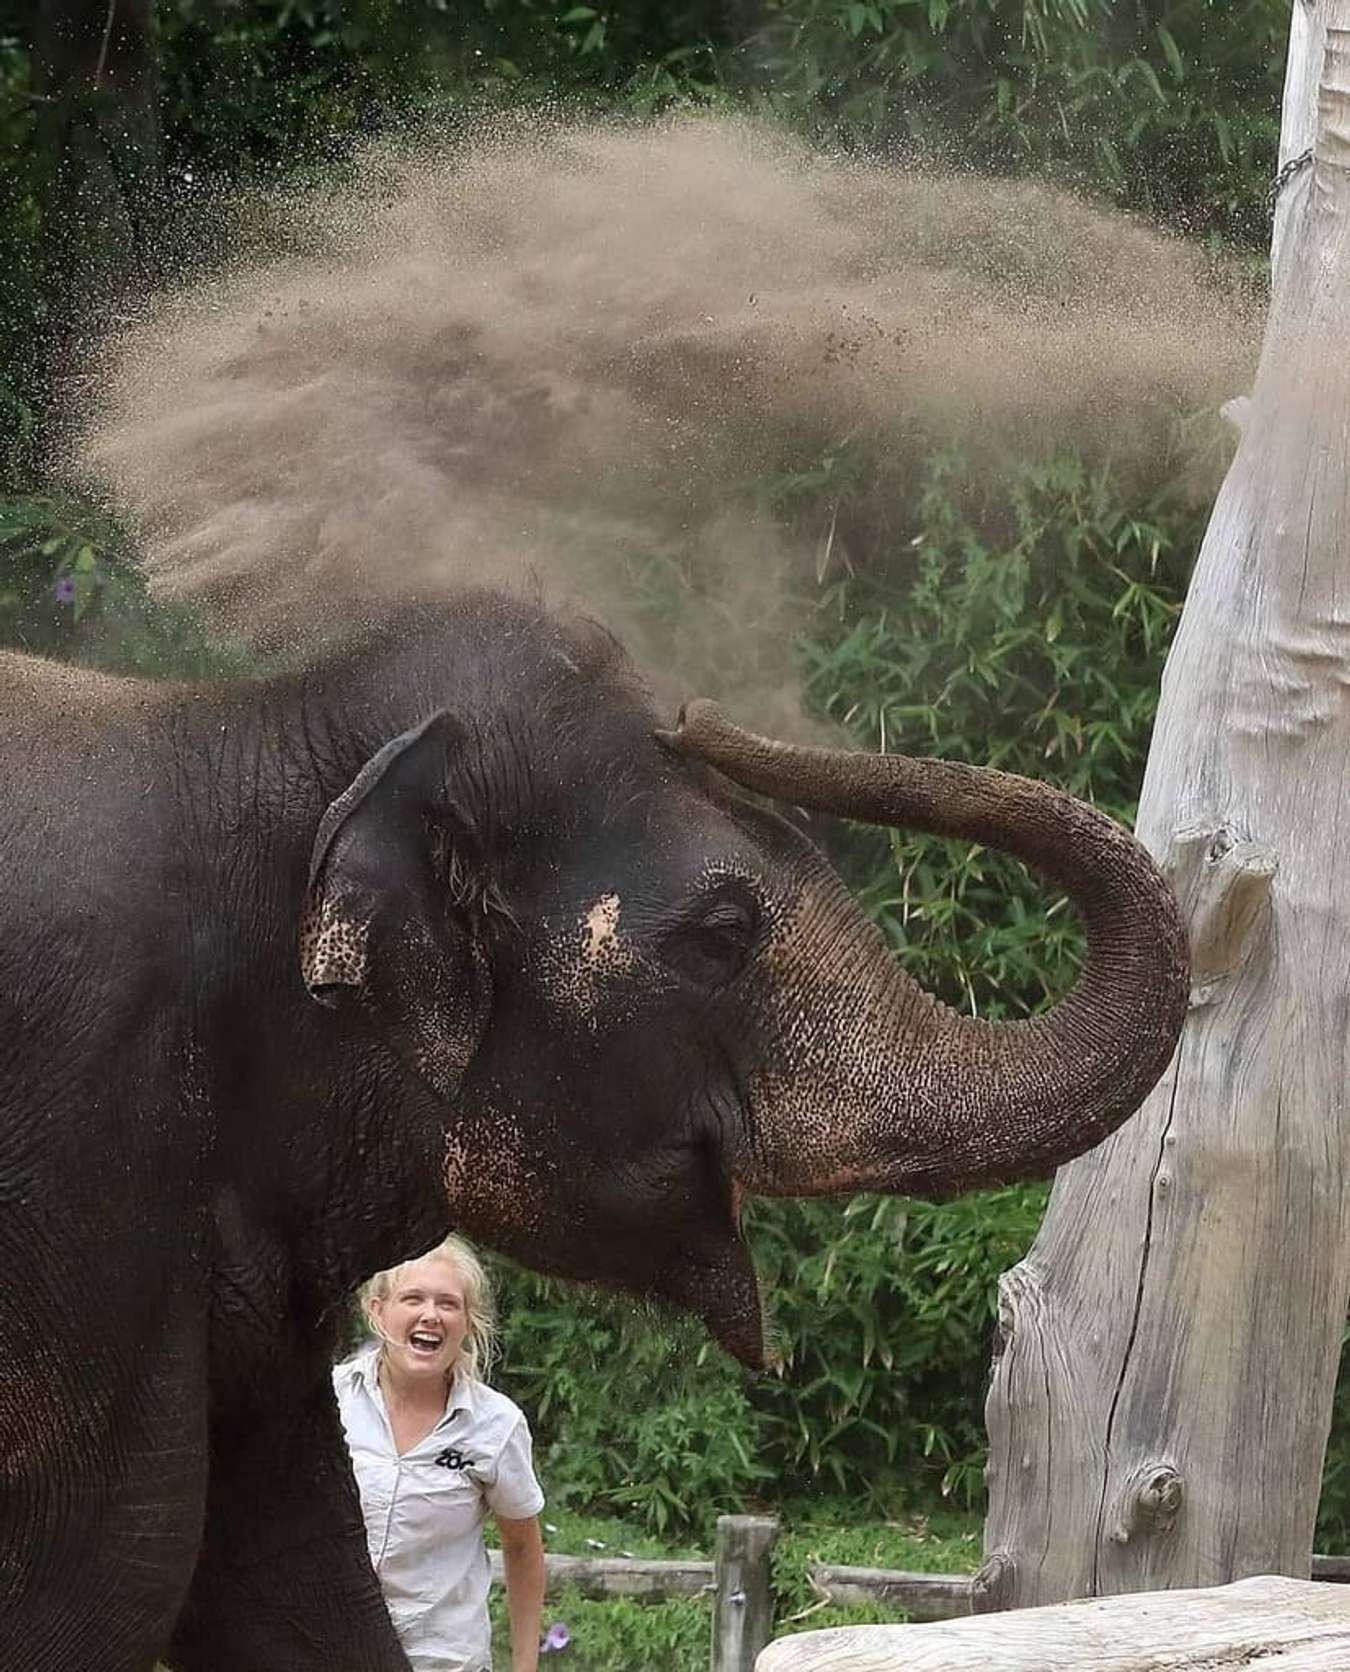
(873, 1084)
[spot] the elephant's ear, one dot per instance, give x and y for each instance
(384, 922)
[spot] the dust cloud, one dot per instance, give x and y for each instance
(593, 362)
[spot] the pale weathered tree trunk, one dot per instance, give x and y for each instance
(1163, 1393)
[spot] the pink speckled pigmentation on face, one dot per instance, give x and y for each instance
(584, 962)
(332, 947)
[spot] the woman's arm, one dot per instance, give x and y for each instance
(523, 1562)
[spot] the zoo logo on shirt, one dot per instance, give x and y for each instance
(452, 1458)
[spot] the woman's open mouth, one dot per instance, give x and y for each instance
(424, 1343)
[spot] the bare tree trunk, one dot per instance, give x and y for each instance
(1162, 1397)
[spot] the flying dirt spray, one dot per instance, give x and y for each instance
(580, 360)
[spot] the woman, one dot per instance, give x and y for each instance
(434, 1449)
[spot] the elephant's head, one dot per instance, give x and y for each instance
(641, 993)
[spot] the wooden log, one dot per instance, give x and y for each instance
(923, 1596)
(1270, 1624)
(742, 1591)
(620, 1576)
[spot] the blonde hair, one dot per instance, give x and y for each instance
(479, 1350)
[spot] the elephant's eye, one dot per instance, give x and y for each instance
(712, 946)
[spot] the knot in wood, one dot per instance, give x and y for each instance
(1157, 1496)
(991, 1590)
(1002, 1334)
(1223, 880)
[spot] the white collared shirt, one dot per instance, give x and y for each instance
(424, 1511)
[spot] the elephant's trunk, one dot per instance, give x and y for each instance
(875, 1085)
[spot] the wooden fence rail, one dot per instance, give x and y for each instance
(946, 1596)
(621, 1576)
(923, 1596)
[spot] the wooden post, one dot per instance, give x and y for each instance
(742, 1618)
(1162, 1397)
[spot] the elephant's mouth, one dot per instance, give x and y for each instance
(716, 1279)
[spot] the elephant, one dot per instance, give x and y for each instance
(442, 928)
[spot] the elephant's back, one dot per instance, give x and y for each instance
(59, 704)
(84, 800)
(71, 742)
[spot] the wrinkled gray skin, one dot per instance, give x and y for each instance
(295, 975)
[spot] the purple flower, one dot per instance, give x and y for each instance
(64, 590)
(555, 1639)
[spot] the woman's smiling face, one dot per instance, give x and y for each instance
(424, 1318)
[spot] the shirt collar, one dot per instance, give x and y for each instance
(366, 1371)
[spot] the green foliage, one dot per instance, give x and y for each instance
(823, 1616)
(608, 1535)
(304, 78)
(830, 1533)
(68, 588)
(639, 52)
(1333, 1512)
(672, 1460)
(23, 307)
(883, 1311)
(1170, 106)
(616, 1634)
(943, 1541)
(1023, 624)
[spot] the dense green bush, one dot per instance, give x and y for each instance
(1169, 106)
(69, 587)
(1023, 624)
(882, 1311)
(305, 78)
(22, 304)
(671, 1460)
(617, 1634)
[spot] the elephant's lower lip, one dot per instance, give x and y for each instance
(743, 1338)
(716, 1280)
